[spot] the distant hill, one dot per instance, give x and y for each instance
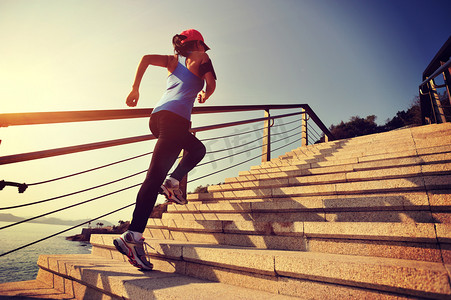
(54, 221)
(9, 218)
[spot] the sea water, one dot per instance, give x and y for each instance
(22, 264)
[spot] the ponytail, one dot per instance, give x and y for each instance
(182, 48)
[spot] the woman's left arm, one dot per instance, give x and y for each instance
(153, 59)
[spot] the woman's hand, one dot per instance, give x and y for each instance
(201, 97)
(133, 98)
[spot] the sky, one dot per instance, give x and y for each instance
(344, 58)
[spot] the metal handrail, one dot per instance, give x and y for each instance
(430, 102)
(34, 118)
(436, 73)
(16, 119)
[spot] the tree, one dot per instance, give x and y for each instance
(358, 126)
(406, 118)
(355, 127)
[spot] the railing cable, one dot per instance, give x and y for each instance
(23, 187)
(73, 193)
(126, 177)
(246, 150)
(109, 194)
(316, 132)
(240, 163)
(285, 137)
(70, 206)
(90, 170)
(107, 214)
(316, 136)
(255, 140)
(246, 132)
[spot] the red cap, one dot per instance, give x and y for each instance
(193, 35)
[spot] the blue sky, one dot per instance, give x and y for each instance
(343, 58)
(347, 57)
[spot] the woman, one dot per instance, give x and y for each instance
(189, 70)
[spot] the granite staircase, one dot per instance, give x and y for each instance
(367, 217)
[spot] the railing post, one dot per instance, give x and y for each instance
(266, 149)
(447, 79)
(435, 102)
(304, 128)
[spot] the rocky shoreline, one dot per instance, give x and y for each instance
(85, 235)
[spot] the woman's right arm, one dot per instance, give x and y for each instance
(210, 82)
(207, 72)
(209, 90)
(155, 60)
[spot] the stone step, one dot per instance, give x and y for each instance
(377, 231)
(290, 179)
(416, 133)
(94, 277)
(343, 152)
(304, 170)
(320, 161)
(393, 136)
(419, 207)
(364, 185)
(424, 251)
(415, 241)
(379, 143)
(376, 274)
(365, 216)
(435, 200)
(433, 207)
(311, 169)
(389, 136)
(382, 169)
(31, 289)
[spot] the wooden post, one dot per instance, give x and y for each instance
(304, 129)
(266, 149)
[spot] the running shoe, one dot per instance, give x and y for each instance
(172, 192)
(134, 250)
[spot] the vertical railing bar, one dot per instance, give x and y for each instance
(435, 100)
(447, 79)
(431, 98)
(304, 133)
(266, 147)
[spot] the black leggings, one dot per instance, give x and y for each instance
(173, 136)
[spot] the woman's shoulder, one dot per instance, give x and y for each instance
(199, 56)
